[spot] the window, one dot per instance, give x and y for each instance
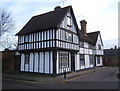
(27, 55)
(99, 47)
(90, 46)
(98, 59)
(68, 36)
(63, 60)
(26, 38)
(81, 44)
(91, 59)
(69, 21)
(82, 59)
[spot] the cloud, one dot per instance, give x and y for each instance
(101, 15)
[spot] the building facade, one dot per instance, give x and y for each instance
(52, 42)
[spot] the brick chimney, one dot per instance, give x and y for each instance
(83, 25)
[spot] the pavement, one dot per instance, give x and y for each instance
(51, 79)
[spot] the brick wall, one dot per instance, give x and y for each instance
(10, 62)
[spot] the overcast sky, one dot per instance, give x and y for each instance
(101, 15)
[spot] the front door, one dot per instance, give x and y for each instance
(94, 61)
(72, 61)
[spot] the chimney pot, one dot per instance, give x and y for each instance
(115, 47)
(57, 7)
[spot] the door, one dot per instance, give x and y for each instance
(94, 61)
(72, 62)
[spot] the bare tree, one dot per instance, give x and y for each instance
(9, 42)
(6, 22)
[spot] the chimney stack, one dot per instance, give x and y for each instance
(115, 47)
(57, 7)
(83, 25)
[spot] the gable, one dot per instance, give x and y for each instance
(73, 24)
(64, 23)
(99, 40)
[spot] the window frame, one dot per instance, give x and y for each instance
(63, 59)
(99, 47)
(67, 37)
(98, 59)
(69, 23)
(27, 58)
(91, 59)
(82, 59)
(82, 44)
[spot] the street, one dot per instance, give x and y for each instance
(102, 79)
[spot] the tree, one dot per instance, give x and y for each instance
(6, 22)
(8, 42)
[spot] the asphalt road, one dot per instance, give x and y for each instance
(102, 79)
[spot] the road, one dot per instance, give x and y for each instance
(102, 79)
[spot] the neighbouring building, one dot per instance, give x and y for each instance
(10, 61)
(52, 42)
(111, 57)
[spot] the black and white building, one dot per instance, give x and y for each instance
(52, 41)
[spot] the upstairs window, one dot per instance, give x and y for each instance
(26, 38)
(90, 46)
(81, 44)
(69, 37)
(99, 47)
(69, 21)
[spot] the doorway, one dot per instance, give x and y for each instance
(72, 61)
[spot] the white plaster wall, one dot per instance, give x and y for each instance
(77, 62)
(22, 62)
(36, 62)
(46, 62)
(87, 61)
(51, 62)
(31, 63)
(26, 67)
(41, 62)
(57, 63)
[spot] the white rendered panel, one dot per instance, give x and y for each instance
(31, 63)
(53, 34)
(41, 62)
(26, 67)
(44, 35)
(46, 62)
(57, 34)
(86, 61)
(22, 62)
(78, 62)
(50, 34)
(57, 63)
(36, 62)
(51, 62)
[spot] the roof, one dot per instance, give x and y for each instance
(93, 36)
(49, 20)
(111, 52)
(86, 38)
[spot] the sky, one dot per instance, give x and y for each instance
(101, 15)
